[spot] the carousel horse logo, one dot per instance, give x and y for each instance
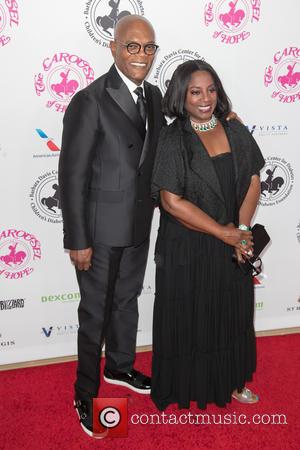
(283, 75)
(291, 79)
(61, 77)
(232, 20)
(277, 179)
(19, 251)
(271, 185)
(163, 72)
(52, 202)
(233, 17)
(45, 198)
(65, 88)
(9, 20)
(13, 258)
(101, 17)
(108, 22)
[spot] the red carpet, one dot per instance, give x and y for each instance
(36, 410)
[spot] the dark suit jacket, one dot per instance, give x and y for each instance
(184, 167)
(106, 164)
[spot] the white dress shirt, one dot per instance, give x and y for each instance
(131, 87)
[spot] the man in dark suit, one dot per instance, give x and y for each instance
(110, 135)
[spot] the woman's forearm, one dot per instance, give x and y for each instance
(189, 214)
(194, 218)
(189, 226)
(250, 202)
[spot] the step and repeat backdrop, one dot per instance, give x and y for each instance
(48, 51)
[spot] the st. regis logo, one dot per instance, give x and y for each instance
(163, 72)
(19, 252)
(283, 75)
(231, 20)
(101, 17)
(9, 20)
(62, 76)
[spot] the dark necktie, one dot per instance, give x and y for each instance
(141, 103)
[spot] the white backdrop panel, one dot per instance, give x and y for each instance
(50, 51)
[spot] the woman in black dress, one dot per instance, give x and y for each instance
(206, 180)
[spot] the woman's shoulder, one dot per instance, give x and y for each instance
(237, 126)
(171, 132)
(244, 140)
(172, 127)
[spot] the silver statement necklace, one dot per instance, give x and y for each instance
(205, 126)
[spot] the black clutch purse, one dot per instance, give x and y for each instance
(260, 241)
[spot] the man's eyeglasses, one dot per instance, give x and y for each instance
(134, 48)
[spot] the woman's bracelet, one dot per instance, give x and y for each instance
(244, 227)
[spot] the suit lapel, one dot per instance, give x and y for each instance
(150, 124)
(121, 95)
(201, 162)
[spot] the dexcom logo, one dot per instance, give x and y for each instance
(63, 298)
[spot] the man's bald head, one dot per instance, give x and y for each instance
(131, 21)
(133, 29)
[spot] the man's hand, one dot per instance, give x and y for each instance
(232, 115)
(82, 258)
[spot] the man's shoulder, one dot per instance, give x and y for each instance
(96, 86)
(153, 88)
(89, 96)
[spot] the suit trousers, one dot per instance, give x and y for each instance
(108, 312)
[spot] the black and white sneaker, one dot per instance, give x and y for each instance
(133, 380)
(84, 409)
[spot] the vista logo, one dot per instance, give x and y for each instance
(47, 331)
(60, 330)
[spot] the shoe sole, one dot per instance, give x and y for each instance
(240, 400)
(127, 385)
(86, 430)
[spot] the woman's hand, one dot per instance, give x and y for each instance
(234, 236)
(239, 256)
(233, 115)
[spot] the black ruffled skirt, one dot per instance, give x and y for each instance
(203, 334)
